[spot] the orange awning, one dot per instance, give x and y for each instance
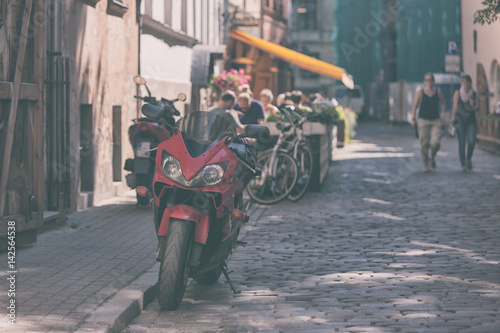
(296, 58)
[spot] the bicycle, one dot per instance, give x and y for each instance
(302, 154)
(275, 162)
(279, 172)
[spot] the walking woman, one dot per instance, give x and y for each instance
(463, 118)
(429, 120)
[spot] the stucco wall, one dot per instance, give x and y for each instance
(488, 49)
(167, 69)
(103, 52)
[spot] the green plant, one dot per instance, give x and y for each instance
(489, 14)
(350, 119)
(324, 113)
(275, 118)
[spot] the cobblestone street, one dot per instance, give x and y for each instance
(384, 247)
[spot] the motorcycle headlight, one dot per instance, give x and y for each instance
(210, 175)
(171, 167)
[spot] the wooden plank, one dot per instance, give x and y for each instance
(488, 139)
(14, 102)
(27, 91)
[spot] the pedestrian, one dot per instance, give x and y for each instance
(463, 118)
(429, 122)
(266, 98)
(224, 107)
(250, 110)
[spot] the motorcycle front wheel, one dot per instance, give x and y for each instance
(174, 267)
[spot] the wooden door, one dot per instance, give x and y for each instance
(21, 118)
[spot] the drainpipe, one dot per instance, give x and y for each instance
(225, 21)
(262, 19)
(139, 28)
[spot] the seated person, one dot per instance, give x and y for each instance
(251, 111)
(223, 109)
(266, 98)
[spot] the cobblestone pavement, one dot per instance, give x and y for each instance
(70, 272)
(384, 247)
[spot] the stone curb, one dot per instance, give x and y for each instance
(122, 308)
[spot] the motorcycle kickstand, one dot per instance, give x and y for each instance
(223, 267)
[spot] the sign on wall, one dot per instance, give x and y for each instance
(452, 57)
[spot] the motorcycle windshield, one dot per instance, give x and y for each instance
(202, 130)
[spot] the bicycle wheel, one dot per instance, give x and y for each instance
(276, 180)
(305, 166)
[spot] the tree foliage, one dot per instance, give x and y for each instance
(489, 14)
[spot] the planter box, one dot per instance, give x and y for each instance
(309, 129)
(321, 138)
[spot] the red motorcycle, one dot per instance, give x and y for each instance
(201, 171)
(144, 135)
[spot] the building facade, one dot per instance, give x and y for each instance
(481, 60)
(311, 32)
(384, 41)
(268, 20)
(93, 50)
(179, 37)
(76, 97)
(22, 118)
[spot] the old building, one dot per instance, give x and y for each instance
(311, 31)
(386, 41)
(481, 60)
(178, 44)
(267, 20)
(259, 44)
(22, 109)
(96, 44)
(64, 127)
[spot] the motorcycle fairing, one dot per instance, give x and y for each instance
(191, 166)
(188, 213)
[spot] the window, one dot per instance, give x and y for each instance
(475, 41)
(184, 16)
(278, 6)
(117, 7)
(306, 15)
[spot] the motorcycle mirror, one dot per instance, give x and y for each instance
(261, 133)
(139, 80)
(257, 131)
(152, 111)
(181, 97)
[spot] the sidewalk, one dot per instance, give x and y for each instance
(70, 272)
(90, 275)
